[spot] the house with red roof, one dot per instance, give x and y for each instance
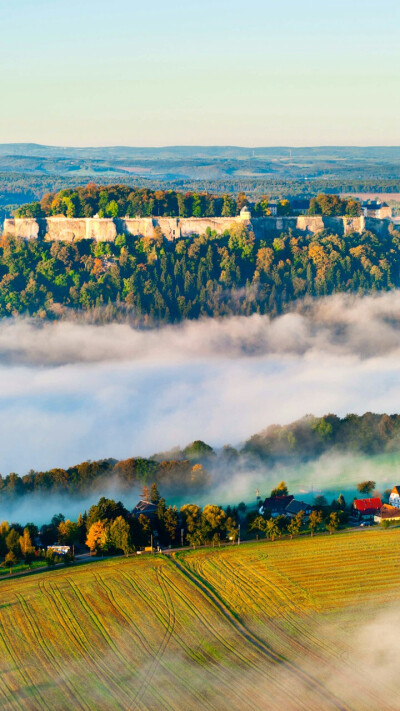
(366, 509)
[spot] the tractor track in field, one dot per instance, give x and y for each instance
(256, 643)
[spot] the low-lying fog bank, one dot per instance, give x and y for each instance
(70, 392)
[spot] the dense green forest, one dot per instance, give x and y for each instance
(196, 468)
(152, 281)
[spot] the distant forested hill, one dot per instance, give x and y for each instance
(153, 281)
(195, 468)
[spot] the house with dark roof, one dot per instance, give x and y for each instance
(294, 507)
(276, 505)
(147, 508)
(299, 206)
(394, 497)
(375, 208)
(366, 509)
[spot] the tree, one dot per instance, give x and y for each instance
(145, 492)
(333, 522)
(280, 490)
(272, 529)
(10, 560)
(68, 533)
(259, 524)
(97, 536)
(366, 487)
(12, 542)
(191, 520)
(385, 523)
(26, 546)
(314, 520)
(120, 536)
(171, 522)
(213, 523)
(154, 494)
(295, 524)
(232, 529)
(320, 501)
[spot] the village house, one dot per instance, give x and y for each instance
(394, 497)
(294, 507)
(365, 509)
(276, 505)
(388, 513)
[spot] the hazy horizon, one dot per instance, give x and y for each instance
(200, 73)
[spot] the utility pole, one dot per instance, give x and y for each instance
(239, 535)
(151, 542)
(182, 530)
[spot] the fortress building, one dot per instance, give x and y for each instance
(64, 229)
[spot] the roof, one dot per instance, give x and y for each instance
(277, 504)
(144, 507)
(367, 505)
(373, 205)
(294, 507)
(389, 511)
(396, 489)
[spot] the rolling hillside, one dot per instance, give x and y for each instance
(262, 625)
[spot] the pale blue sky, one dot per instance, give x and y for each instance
(90, 72)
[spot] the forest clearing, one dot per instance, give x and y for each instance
(286, 624)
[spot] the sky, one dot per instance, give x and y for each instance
(215, 72)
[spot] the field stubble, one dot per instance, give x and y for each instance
(291, 624)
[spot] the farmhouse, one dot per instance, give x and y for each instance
(394, 498)
(366, 509)
(276, 505)
(294, 507)
(388, 513)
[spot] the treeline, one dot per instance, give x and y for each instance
(123, 200)
(153, 281)
(109, 527)
(196, 468)
(311, 436)
(187, 474)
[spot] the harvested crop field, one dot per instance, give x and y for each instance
(302, 624)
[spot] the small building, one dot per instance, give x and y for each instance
(299, 206)
(147, 508)
(273, 208)
(375, 208)
(394, 498)
(59, 550)
(366, 509)
(245, 213)
(388, 513)
(294, 507)
(276, 505)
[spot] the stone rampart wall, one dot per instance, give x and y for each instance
(105, 230)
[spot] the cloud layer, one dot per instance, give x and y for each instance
(70, 392)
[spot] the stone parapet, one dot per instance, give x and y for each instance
(64, 229)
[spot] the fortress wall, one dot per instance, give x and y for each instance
(101, 230)
(106, 229)
(25, 227)
(58, 229)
